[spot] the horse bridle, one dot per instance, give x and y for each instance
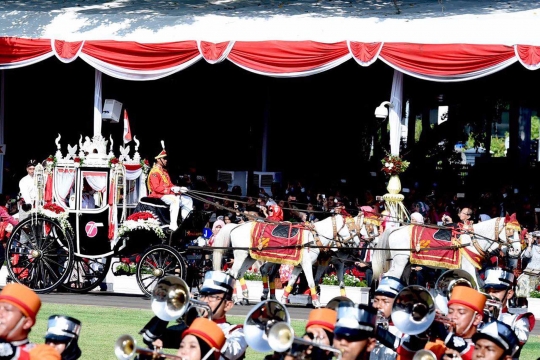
(498, 231)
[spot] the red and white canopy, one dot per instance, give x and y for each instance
(141, 40)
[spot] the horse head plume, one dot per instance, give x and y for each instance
(163, 144)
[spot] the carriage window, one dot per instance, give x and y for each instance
(132, 191)
(93, 190)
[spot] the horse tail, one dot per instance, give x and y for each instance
(221, 241)
(381, 254)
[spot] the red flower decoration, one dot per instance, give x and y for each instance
(77, 160)
(143, 215)
(50, 159)
(54, 208)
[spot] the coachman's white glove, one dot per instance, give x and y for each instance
(175, 189)
(184, 189)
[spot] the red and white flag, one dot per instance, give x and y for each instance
(127, 129)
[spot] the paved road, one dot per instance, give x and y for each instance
(141, 302)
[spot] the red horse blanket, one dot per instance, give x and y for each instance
(438, 252)
(281, 244)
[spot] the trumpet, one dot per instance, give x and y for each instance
(424, 355)
(413, 311)
(171, 300)
(281, 338)
(382, 321)
(126, 348)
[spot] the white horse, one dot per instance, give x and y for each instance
(322, 233)
(393, 251)
(349, 251)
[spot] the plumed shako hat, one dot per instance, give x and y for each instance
(23, 298)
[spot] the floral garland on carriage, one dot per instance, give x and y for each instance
(55, 212)
(143, 220)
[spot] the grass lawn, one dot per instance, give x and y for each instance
(101, 326)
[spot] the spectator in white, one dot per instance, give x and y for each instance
(417, 218)
(28, 190)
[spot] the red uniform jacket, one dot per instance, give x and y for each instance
(159, 182)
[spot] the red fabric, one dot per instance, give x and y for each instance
(449, 258)
(445, 59)
(48, 196)
(212, 52)
(365, 52)
(269, 57)
(286, 56)
(66, 49)
(530, 55)
(135, 56)
(132, 167)
(13, 50)
(270, 248)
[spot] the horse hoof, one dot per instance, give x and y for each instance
(264, 297)
(273, 297)
(245, 302)
(284, 300)
(316, 303)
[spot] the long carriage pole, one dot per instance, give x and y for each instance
(2, 131)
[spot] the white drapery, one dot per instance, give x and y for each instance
(97, 181)
(63, 182)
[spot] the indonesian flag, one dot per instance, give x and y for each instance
(127, 129)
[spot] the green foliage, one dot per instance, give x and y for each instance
(535, 294)
(252, 276)
(417, 129)
(349, 280)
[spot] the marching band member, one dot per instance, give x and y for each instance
(63, 335)
(320, 329)
(385, 294)
(495, 341)
(202, 339)
(465, 311)
(216, 291)
(354, 332)
(19, 306)
(162, 187)
(500, 283)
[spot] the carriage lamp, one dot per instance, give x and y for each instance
(381, 111)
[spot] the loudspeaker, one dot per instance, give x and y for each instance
(111, 110)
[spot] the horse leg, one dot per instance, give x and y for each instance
(238, 269)
(265, 269)
(274, 272)
(292, 280)
(398, 265)
(340, 267)
(308, 272)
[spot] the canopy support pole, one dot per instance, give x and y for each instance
(98, 103)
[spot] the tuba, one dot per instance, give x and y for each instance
(334, 302)
(281, 338)
(413, 311)
(125, 348)
(171, 300)
(267, 329)
(451, 278)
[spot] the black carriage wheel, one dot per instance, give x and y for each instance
(157, 262)
(86, 274)
(39, 254)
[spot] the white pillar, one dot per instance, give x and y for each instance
(98, 103)
(395, 112)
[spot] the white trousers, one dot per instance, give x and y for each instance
(174, 207)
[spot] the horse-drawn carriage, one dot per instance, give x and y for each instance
(86, 214)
